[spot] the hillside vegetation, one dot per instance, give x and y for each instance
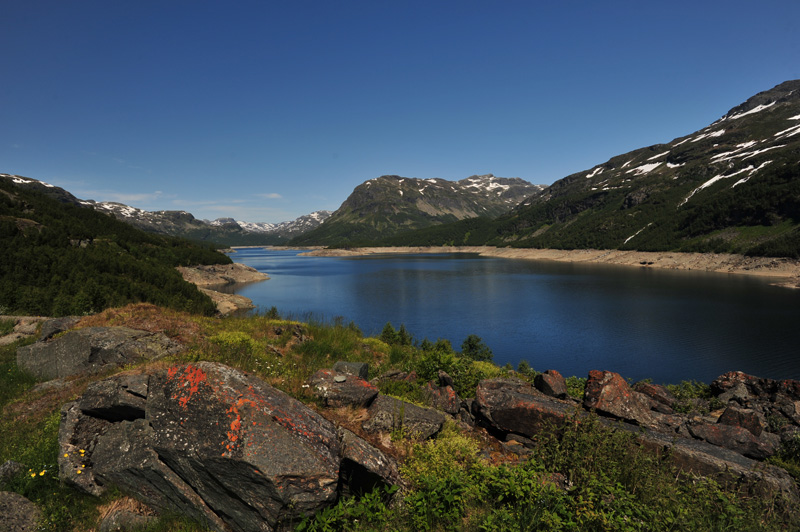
(584, 476)
(60, 258)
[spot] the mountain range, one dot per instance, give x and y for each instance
(733, 186)
(730, 187)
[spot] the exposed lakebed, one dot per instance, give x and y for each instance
(639, 322)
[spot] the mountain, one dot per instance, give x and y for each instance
(61, 257)
(733, 186)
(391, 204)
(222, 231)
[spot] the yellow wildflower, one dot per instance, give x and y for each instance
(66, 455)
(78, 471)
(43, 472)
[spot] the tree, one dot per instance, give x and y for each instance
(389, 334)
(474, 348)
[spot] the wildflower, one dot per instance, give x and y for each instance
(33, 475)
(66, 455)
(43, 472)
(79, 472)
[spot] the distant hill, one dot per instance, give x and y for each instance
(733, 186)
(222, 231)
(390, 205)
(61, 257)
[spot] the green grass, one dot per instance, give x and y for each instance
(6, 326)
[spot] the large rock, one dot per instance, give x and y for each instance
(551, 383)
(515, 406)
(216, 444)
(727, 467)
(342, 389)
(91, 350)
(18, 514)
(388, 414)
(609, 394)
(737, 439)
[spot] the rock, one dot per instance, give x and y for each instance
(336, 389)
(551, 383)
(657, 393)
(445, 379)
(364, 467)
(387, 414)
(357, 369)
(10, 469)
(57, 325)
(727, 467)
(737, 439)
(121, 398)
(746, 419)
(78, 435)
(18, 514)
(442, 398)
(216, 444)
(91, 350)
(609, 394)
(512, 405)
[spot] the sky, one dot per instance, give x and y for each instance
(264, 111)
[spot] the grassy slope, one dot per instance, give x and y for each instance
(588, 479)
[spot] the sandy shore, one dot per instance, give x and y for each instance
(207, 277)
(785, 272)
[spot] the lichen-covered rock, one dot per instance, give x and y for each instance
(515, 406)
(609, 394)
(92, 350)
(442, 398)
(388, 414)
(739, 417)
(551, 383)
(341, 389)
(663, 400)
(214, 443)
(737, 439)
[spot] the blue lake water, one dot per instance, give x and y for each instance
(639, 322)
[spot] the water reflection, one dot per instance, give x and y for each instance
(640, 322)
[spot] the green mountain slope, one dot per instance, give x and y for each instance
(60, 257)
(733, 186)
(389, 205)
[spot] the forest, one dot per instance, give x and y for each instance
(61, 258)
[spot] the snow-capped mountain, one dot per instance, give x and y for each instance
(390, 204)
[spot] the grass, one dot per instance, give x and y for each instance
(6, 326)
(584, 476)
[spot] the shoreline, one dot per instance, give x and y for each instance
(206, 278)
(784, 271)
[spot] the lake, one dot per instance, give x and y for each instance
(640, 322)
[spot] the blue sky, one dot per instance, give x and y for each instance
(267, 110)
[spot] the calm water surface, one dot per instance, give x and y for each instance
(640, 322)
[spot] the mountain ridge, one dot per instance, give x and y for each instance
(392, 204)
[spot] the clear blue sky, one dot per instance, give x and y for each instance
(267, 110)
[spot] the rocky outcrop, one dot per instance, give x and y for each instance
(221, 274)
(24, 327)
(207, 276)
(729, 448)
(389, 414)
(609, 394)
(91, 350)
(18, 514)
(216, 444)
(513, 406)
(341, 389)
